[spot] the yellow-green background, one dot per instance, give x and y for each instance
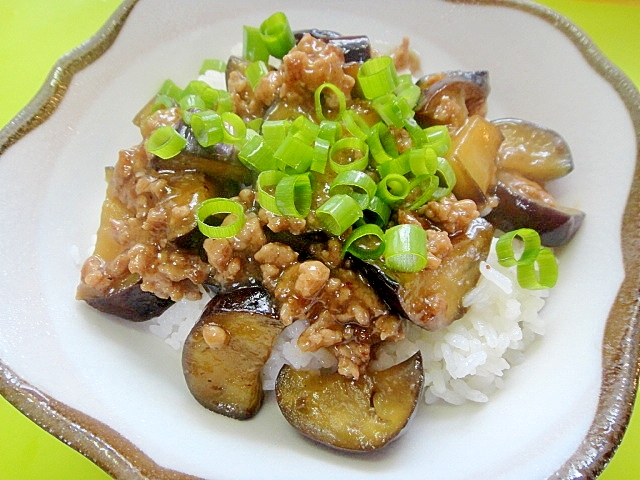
(35, 33)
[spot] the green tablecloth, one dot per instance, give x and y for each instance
(35, 33)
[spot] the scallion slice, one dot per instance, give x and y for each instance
(213, 64)
(377, 77)
(330, 130)
(257, 155)
(275, 131)
(235, 130)
(541, 274)
(406, 248)
(207, 127)
(427, 185)
(293, 195)
(356, 184)
(215, 206)
(531, 247)
(253, 45)
(321, 149)
(277, 35)
(447, 179)
(349, 153)
(422, 161)
(266, 186)
(377, 212)
(393, 188)
(381, 143)
(438, 138)
(189, 104)
(294, 154)
(317, 96)
(366, 242)
(356, 125)
(254, 73)
(170, 89)
(338, 213)
(165, 142)
(162, 101)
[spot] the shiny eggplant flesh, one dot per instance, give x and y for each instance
(472, 156)
(535, 152)
(356, 48)
(448, 98)
(130, 302)
(524, 203)
(432, 299)
(304, 243)
(224, 353)
(361, 415)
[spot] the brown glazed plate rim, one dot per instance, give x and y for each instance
(123, 460)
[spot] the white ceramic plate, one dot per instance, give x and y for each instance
(116, 392)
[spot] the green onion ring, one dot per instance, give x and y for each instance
(353, 243)
(257, 155)
(338, 213)
(356, 184)
(277, 35)
(349, 143)
(356, 125)
(317, 97)
(165, 142)
(235, 130)
(293, 195)
(207, 127)
(428, 184)
(447, 178)
(504, 247)
(377, 212)
(393, 188)
(214, 206)
(377, 76)
(406, 248)
(544, 277)
(266, 181)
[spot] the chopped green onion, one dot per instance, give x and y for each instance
(190, 103)
(377, 212)
(338, 213)
(377, 77)
(235, 130)
(438, 138)
(330, 130)
(366, 242)
(409, 92)
(255, 124)
(393, 188)
(207, 127)
(214, 206)
(162, 101)
(321, 149)
(544, 276)
(317, 96)
(381, 143)
(406, 248)
(257, 155)
(398, 165)
(356, 125)
(223, 101)
(266, 186)
(293, 195)
(255, 71)
(504, 247)
(447, 178)
(170, 89)
(417, 134)
(356, 184)
(305, 129)
(428, 184)
(277, 35)
(275, 131)
(253, 45)
(389, 110)
(295, 154)
(422, 161)
(165, 142)
(349, 153)
(213, 64)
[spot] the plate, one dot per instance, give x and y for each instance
(116, 393)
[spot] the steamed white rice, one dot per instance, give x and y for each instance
(464, 362)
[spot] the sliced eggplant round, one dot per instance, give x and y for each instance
(224, 353)
(524, 203)
(535, 152)
(361, 415)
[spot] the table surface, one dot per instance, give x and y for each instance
(35, 33)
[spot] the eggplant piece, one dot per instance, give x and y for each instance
(535, 152)
(128, 301)
(473, 153)
(361, 415)
(432, 299)
(524, 203)
(219, 162)
(448, 98)
(224, 353)
(303, 243)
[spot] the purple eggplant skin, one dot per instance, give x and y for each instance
(249, 299)
(523, 203)
(131, 303)
(469, 89)
(356, 48)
